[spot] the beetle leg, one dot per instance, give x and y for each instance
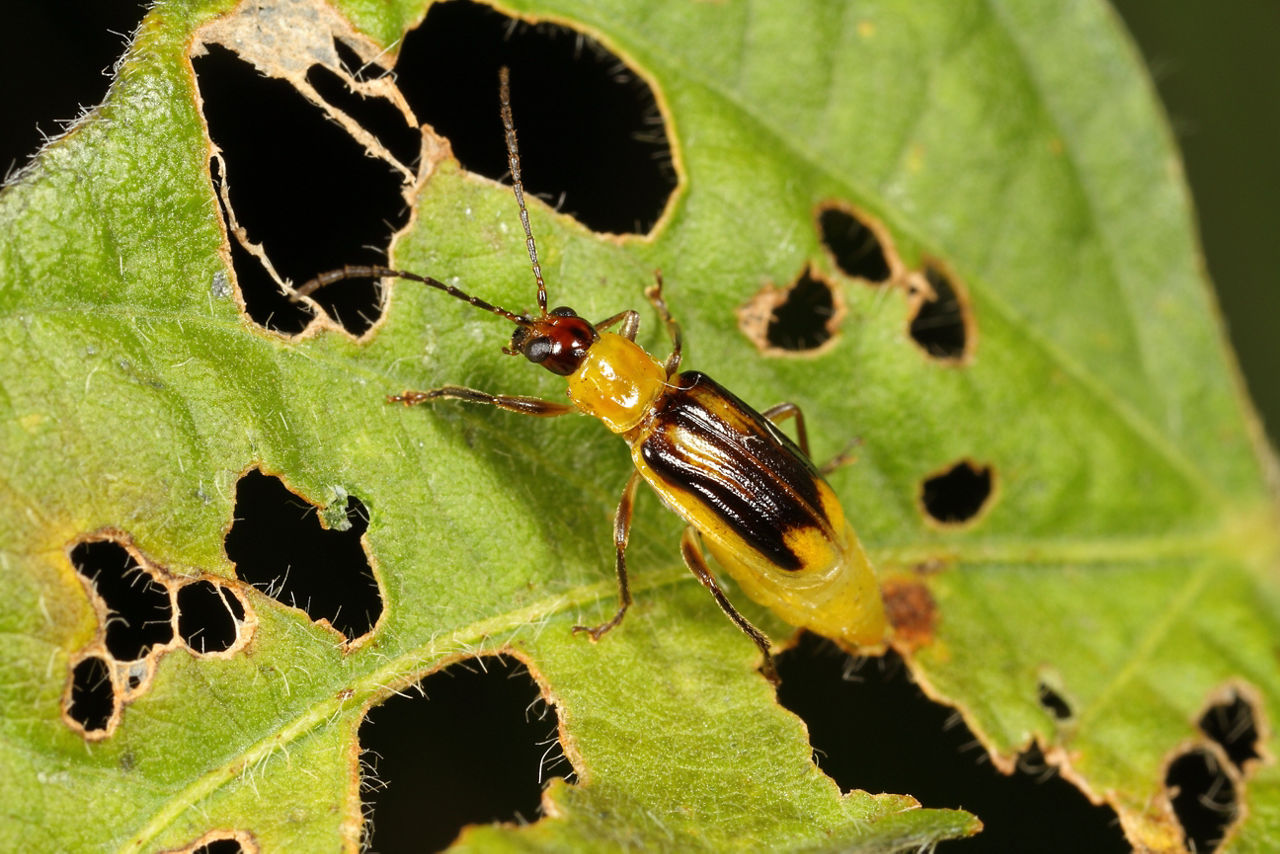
(511, 403)
(844, 458)
(783, 411)
(654, 293)
(621, 533)
(691, 549)
(630, 323)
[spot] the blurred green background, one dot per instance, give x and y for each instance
(1216, 68)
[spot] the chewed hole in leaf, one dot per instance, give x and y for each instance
(476, 743)
(92, 698)
(206, 619)
(854, 247)
(222, 842)
(232, 600)
(73, 43)
(1233, 726)
(1204, 798)
(592, 140)
(871, 728)
(805, 320)
(301, 187)
(376, 115)
(958, 494)
(220, 846)
(1053, 702)
(942, 322)
(279, 546)
(139, 609)
(796, 320)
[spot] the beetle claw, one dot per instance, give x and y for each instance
(594, 631)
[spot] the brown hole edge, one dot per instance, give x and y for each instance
(941, 322)
(958, 495)
(130, 680)
(759, 317)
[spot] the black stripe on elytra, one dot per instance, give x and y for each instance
(693, 407)
(757, 481)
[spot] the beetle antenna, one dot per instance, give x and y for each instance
(357, 271)
(513, 162)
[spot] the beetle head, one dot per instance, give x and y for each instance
(557, 341)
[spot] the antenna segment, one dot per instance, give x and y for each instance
(513, 162)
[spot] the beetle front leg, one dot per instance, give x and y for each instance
(621, 534)
(691, 549)
(654, 293)
(509, 402)
(630, 320)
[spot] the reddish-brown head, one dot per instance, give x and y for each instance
(558, 340)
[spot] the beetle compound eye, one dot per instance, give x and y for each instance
(538, 349)
(564, 311)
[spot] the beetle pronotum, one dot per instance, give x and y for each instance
(744, 488)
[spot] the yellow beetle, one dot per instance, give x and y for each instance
(754, 497)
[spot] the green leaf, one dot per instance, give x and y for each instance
(1127, 558)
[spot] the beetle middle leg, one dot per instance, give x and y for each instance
(691, 549)
(783, 411)
(621, 534)
(846, 457)
(509, 402)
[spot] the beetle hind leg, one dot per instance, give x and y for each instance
(621, 534)
(691, 549)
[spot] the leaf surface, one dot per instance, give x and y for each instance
(1127, 557)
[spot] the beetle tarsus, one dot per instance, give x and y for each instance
(599, 631)
(621, 534)
(410, 398)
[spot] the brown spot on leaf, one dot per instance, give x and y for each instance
(912, 611)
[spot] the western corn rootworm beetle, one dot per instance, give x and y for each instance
(744, 487)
